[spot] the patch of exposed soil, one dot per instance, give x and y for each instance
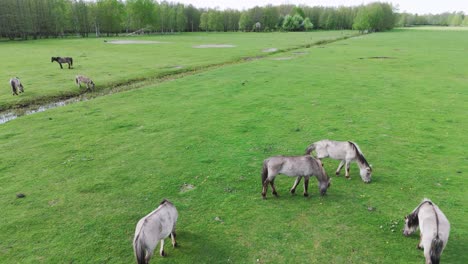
(134, 42)
(282, 58)
(270, 50)
(207, 46)
(186, 187)
(377, 58)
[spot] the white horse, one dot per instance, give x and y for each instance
(434, 229)
(347, 152)
(151, 229)
(16, 86)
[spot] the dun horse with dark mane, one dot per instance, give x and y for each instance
(16, 86)
(298, 166)
(433, 226)
(61, 60)
(347, 152)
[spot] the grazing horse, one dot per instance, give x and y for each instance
(434, 229)
(61, 60)
(151, 229)
(298, 166)
(347, 152)
(83, 79)
(16, 86)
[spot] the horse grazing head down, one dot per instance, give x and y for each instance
(324, 181)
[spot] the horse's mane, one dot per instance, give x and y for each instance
(359, 154)
(413, 219)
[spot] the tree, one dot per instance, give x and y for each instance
(245, 22)
(307, 24)
(204, 21)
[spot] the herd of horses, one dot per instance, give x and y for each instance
(431, 221)
(160, 223)
(17, 87)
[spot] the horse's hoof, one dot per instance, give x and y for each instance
(175, 245)
(292, 191)
(276, 194)
(337, 173)
(163, 254)
(306, 195)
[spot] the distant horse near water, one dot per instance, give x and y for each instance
(347, 152)
(433, 226)
(295, 166)
(61, 60)
(16, 86)
(151, 229)
(83, 79)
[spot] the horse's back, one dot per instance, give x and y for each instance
(291, 165)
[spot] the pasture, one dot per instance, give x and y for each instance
(110, 62)
(91, 170)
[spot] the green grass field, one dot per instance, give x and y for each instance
(91, 170)
(112, 64)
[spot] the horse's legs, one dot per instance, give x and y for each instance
(339, 167)
(293, 189)
(273, 191)
(173, 238)
(348, 163)
(265, 188)
(306, 186)
(161, 251)
(60, 65)
(68, 65)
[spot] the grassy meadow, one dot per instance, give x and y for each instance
(115, 64)
(91, 170)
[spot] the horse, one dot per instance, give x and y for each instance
(61, 60)
(16, 86)
(294, 166)
(434, 229)
(346, 152)
(83, 79)
(154, 227)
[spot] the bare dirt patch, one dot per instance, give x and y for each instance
(377, 58)
(134, 42)
(282, 58)
(186, 187)
(207, 46)
(270, 50)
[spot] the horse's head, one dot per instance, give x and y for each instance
(366, 174)
(323, 180)
(52, 59)
(411, 224)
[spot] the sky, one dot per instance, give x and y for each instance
(411, 6)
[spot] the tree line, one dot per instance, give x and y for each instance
(23, 19)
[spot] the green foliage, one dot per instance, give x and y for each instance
(91, 170)
(293, 23)
(374, 17)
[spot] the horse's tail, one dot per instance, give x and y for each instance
(436, 249)
(264, 171)
(310, 149)
(140, 252)
(71, 61)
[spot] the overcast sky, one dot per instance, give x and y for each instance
(411, 6)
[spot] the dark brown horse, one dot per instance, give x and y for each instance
(61, 60)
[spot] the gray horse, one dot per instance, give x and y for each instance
(296, 166)
(16, 86)
(151, 229)
(434, 228)
(347, 152)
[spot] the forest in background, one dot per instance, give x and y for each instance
(25, 19)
